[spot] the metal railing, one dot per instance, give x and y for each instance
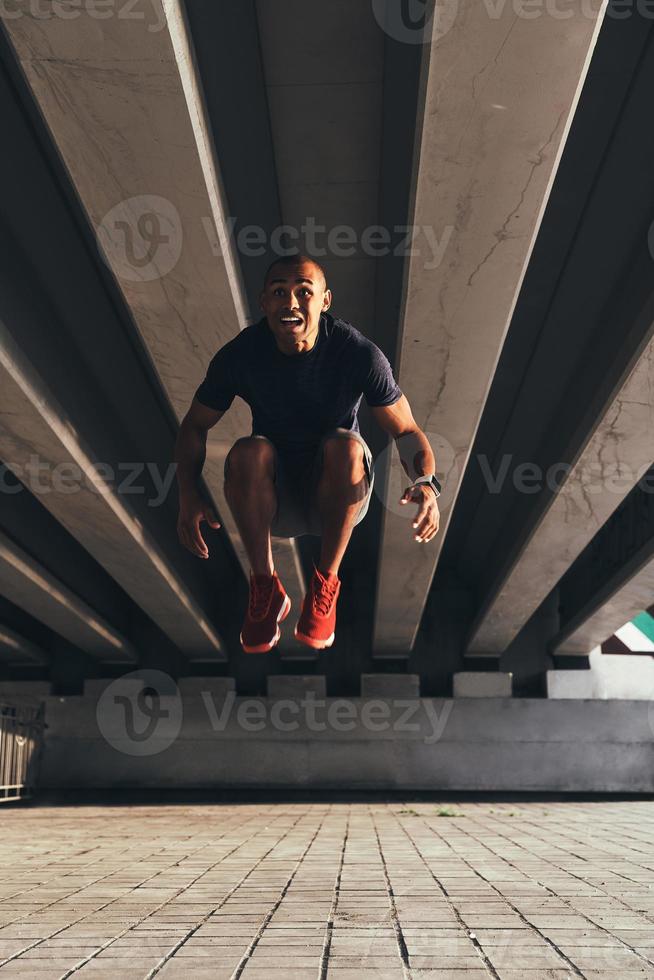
(21, 744)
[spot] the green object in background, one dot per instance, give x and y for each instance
(645, 623)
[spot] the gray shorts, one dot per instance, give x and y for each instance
(296, 482)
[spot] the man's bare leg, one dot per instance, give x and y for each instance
(250, 493)
(341, 490)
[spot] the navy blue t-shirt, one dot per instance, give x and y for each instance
(297, 398)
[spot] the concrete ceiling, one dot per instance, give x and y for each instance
(318, 116)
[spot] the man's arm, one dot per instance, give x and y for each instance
(417, 460)
(190, 454)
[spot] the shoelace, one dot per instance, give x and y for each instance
(323, 597)
(259, 598)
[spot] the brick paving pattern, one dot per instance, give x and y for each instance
(338, 891)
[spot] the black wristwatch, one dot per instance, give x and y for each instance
(430, 480)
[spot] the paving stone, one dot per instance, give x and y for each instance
(567, 974)
(449, 974)
(516, 879)
(446, 962)
(173, 971)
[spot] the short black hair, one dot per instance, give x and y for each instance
(292, 262)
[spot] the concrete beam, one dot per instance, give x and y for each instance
(35, 427)
(33, 588)
(482, 684)
(486, 158)
(328, 174)
(623, 597)
(296, 686)
(15, 649)
(213, 687)
(390, 686)
(122, 100)
(618, 452)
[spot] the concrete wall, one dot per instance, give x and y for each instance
(610, 676)
(218, 740)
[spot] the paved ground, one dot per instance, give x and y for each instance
(341, 891)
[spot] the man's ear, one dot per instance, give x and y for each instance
(261, 296)
(327, 300)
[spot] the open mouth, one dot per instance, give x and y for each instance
(291, 321)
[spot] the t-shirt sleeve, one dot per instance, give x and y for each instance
(217, 391)
(379, 386)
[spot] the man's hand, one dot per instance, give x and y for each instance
(428, 517)
(192, 511)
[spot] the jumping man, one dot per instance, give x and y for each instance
(305, 469)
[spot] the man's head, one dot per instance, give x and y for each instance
(294, 295)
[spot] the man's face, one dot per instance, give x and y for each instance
(293, 299)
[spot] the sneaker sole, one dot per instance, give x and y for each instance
(314, 644)
(267, 647)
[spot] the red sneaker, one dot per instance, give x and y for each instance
(267, 607)
(317, 624)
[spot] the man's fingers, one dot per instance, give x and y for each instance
(188, 530)
(211, 519)
(199, 542)
(190, 537)
(427, 527)
(422, 532)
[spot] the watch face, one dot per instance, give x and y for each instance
(432, 482)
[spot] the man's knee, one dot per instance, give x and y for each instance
(342, 453)
(250, 457)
